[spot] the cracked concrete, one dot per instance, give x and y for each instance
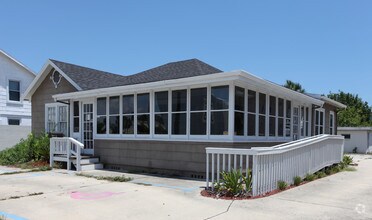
(346, 195)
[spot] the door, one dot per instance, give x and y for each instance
(296, 116)
(87, 128)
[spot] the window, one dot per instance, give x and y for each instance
(262, 115)
(288, 116)
(219, 110)
(198, 111)
(179, 102)
(346, 136)
(101, 116)
(307, 132)
(14, 91)
(14, 121)
(114, 117)
(319, 121)
(56, 118)
(128, 114)
(143, 113)
(280, 117)
(302, 121)
(239, 111)
(331, 122)
(76, 117)
(272, 116)
(251, 113)
(161, 112)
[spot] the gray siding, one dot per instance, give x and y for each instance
(43, 95)
(166, 157)
(10, 135)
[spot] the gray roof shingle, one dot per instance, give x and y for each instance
(88, 78)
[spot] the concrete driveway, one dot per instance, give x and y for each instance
(62, 195)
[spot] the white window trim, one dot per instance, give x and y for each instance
(332, 125)
(56, 105)
(319, 125)
(8, 91)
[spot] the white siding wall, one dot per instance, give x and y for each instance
(9, 70)
(357, 139)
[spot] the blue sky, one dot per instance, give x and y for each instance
(324, 45)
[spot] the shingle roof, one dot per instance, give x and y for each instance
(88, 78)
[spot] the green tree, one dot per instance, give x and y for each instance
(357, 113)
(294, 86)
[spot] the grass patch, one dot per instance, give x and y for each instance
(108, 178)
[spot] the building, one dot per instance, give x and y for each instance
(357, 139)
(15, 113)
(162, 119)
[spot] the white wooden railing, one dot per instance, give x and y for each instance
(63, 149)
(272, 164)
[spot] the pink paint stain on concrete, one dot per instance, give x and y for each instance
(91, 196)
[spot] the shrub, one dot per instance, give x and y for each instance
(33, 148)
(336, 169)
(282, 185)
(297, 180)
(248, 181)
(329, 171)
(347, 160)
(310, 177)
(321, 174)
(232, 182)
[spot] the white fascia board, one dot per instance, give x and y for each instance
(275, 88)
(42, 75)
(333, 102)
(238, 75)
(18, 63)
(211, 78)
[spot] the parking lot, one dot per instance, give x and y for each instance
(58, 194)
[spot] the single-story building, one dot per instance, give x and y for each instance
(357, 139)
(162, 119)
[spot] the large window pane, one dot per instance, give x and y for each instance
(280, 107)
(161, 124)
(198, 125)
(76, 117)
(128, 124)
(262, 104)
(114, 105)
(101, 124)
(288, 109)
(161, 101)
(239, 123)
(178, 123)
(272, 126)
(143, 124)
(128, 104)
(143, 104)
(251, 101)
(14, 90)
(272, 106)
(220, 97)
(179, 100)
(76, 108)
(198, 99)
(101, 106)
(239, 98)
(280, 127)
(251, 124)
(114, 125)
(219, 123)
(261, 125)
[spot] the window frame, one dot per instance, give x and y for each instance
(317, 123)
(56, 107)
(332, 123)
(9, 90)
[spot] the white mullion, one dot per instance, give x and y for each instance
(245, 113)
(169, 113)
(209, 109)
(267, 116)
(231, 112)
(120, 115)
(188, 107)
(151, 114)
(135, 114)
(257, 115)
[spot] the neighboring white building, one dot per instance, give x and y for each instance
(357, 139)
(15, 113)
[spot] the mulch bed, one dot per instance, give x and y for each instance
(32, 165)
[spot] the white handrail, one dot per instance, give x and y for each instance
(65, 147)
(280, 162)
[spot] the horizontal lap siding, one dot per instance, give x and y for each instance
(43, 95)
(172, 157)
